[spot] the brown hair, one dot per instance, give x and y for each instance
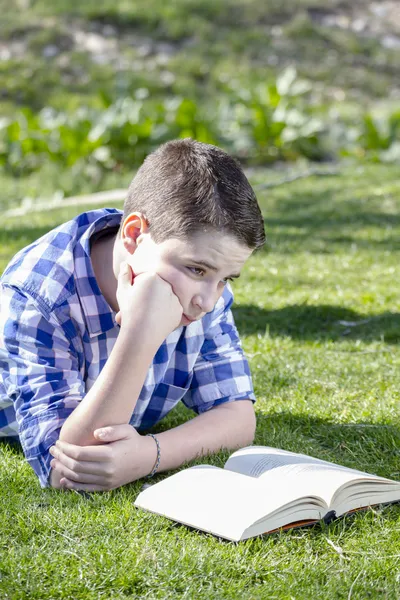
(186, 186)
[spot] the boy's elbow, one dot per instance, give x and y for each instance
(247, 421)
(250, 426)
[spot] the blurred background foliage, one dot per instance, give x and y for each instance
(88, 89)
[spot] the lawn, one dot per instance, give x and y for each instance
(67, 54)
(318, 311)
(88, 89)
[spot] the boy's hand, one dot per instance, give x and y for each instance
(123, 456)
(147, 300)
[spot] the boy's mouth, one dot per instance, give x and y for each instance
(188, 319)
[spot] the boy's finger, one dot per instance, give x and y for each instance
(125, 273)
(87, 453)
(88, 487)
(83, 478)
(113, 433)
(78, 466)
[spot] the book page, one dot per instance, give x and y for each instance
(311, 480)
(205, 497)
(363, 493)
(257, 460)
(273, 467)
(225, 503)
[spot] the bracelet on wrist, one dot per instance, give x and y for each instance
(157, 463)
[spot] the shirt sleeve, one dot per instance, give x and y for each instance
(41, 375)
(221, 373)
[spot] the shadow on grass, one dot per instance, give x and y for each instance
(322, 210)
(317, 220)
(323, 322)
(289, 242)
(371, 447)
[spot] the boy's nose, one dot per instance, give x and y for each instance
(206, 300)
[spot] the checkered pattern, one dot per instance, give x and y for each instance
(57, 331)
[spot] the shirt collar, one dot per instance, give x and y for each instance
(99, 316)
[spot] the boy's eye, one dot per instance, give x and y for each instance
(196, 270)
(200, 272)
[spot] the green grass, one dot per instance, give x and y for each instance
(323, 388)
(210, 44)
(87, 89)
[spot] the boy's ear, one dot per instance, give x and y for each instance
(134, 226)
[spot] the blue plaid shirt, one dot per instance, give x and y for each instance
(57, 332)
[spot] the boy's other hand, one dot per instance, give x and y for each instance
(123, 456)
(147, 300)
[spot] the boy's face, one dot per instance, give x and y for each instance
(197, 269)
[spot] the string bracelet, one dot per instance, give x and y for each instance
(157, 463)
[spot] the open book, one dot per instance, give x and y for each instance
(261, 489)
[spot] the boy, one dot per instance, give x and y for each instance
(109, 320)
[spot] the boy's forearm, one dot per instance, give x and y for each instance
(113, 397)
(228, 426)
(231, 425)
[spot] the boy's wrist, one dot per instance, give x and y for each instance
(146, 329)
(149, 456)
(138, 335)
(156, 465)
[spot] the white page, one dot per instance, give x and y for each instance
(256, 460)
(205, 497)
(310, 476)
(366, 493)
(277, 520)
(219, 501)
(310, 480)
